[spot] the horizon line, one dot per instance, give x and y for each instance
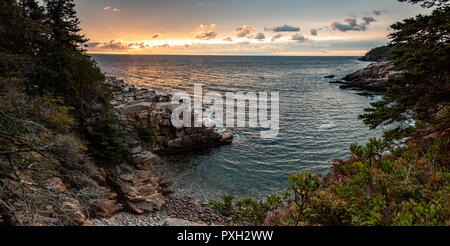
(247, 55)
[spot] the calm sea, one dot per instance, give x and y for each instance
(318, 121)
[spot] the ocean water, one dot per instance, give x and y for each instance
(318, 121)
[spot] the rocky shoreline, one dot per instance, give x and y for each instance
(372, 78)
(165, 206)
(149, 200)
(179, 210)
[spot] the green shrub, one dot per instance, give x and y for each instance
(372, 152)
(147, 134)
(105, 141)
(226, 207)
(370, 189)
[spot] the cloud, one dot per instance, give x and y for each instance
(206, 32)
(92, 44)
(283, 28)
(166, 45)
(140, 45)
(368, 20)
(315, 31)
(119, 45)
(109, 8)
(380, 12)
(278, 36)
(244, 31)
(157, 35)
(259, 36)
(298, 38)
(352, 24)
(114, 44)
(229, 39)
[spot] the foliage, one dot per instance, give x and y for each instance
(226, 207)
(38, 149)
(372, 152)
(421, 48)
(378, 54)
(55, 113)
(427, 3)
(248, 210)
(408, 188)
(302, 187)
(106, 143)
(41, 49)
(21, 25)
(147, 134)
(254, 212)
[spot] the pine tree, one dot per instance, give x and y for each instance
(68, 71)
(64, 23)
(21, 31)
(32, 10)
(421, 48)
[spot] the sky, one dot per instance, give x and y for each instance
(240, 27)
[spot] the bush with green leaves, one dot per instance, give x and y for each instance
(410, 187)
(248, 211)
(105, 140)
(255, 212)
(372, 152)
(226, 207)
(147, 134)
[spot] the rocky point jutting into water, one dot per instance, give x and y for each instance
(148, 108)
(373, 78)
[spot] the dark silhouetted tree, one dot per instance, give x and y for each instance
(420, 47)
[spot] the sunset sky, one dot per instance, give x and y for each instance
(239, 27)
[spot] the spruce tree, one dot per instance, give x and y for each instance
(422, 94)
(68, 71)
(21, 34)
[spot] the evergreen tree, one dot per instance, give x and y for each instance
(32, 10)
(421, 48)
(21, 34)
(67, 70)
(64, 23)
(428, 3)
(42, 47)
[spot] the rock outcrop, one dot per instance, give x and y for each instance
(137, 188)
(372, 78)
(146, 107)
